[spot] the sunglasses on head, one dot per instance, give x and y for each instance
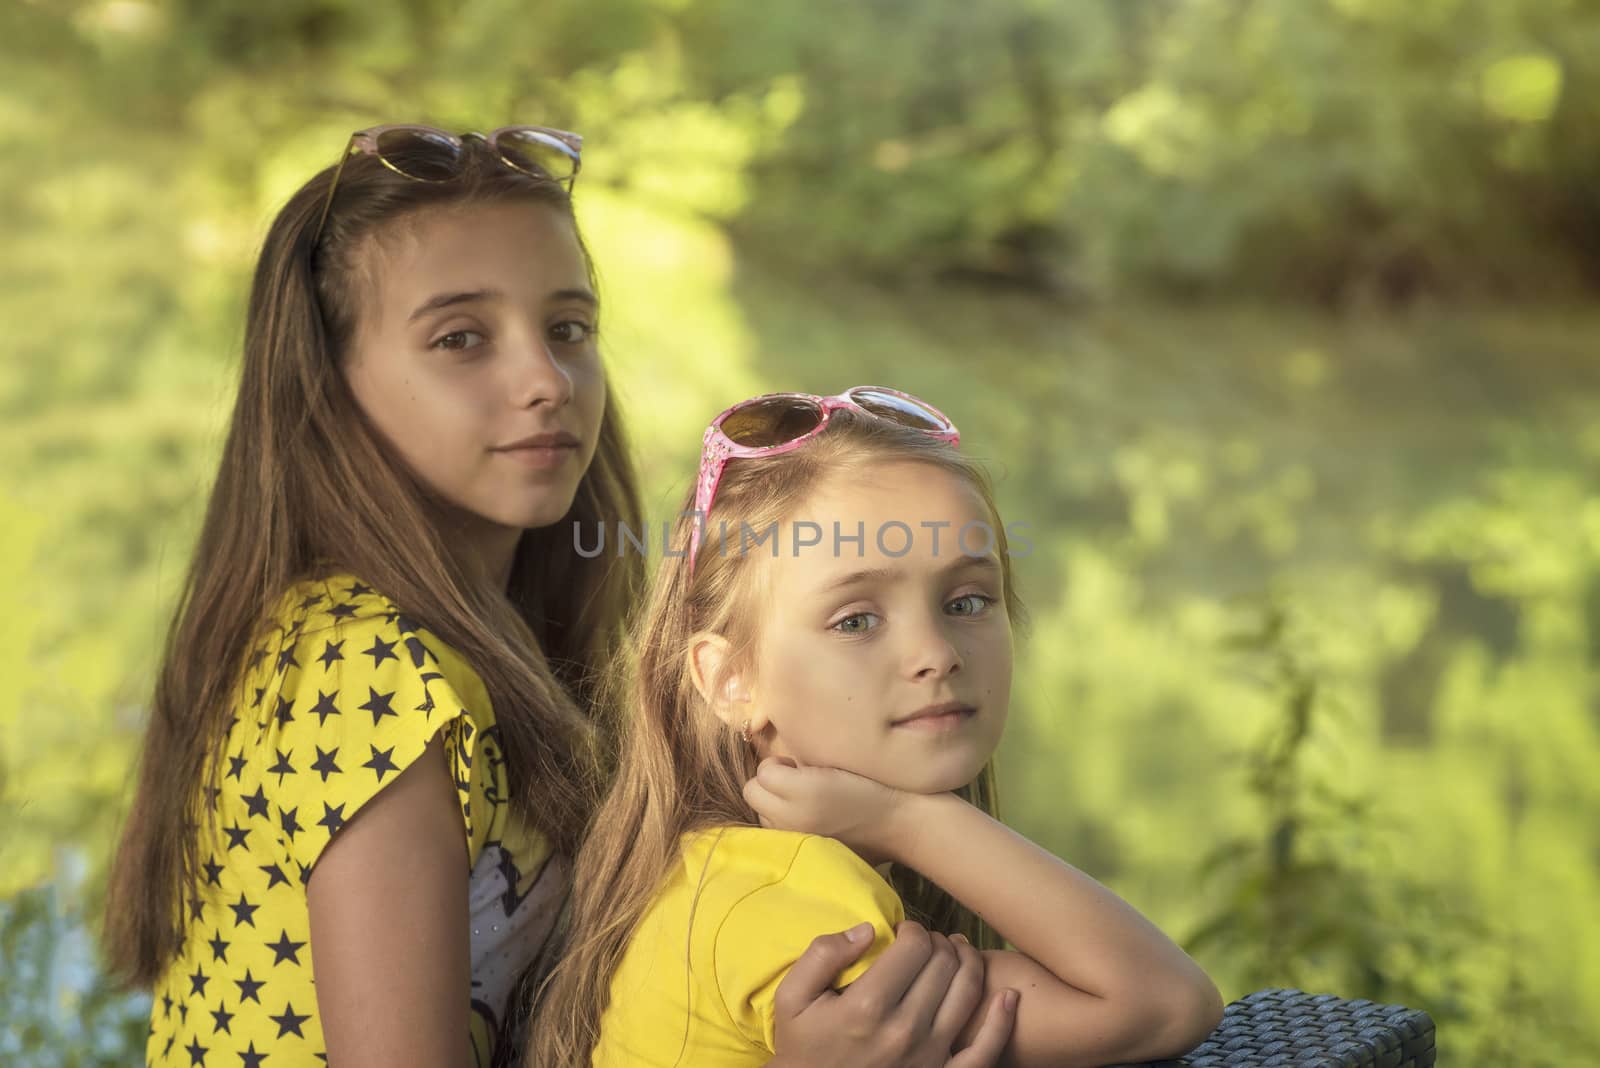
(427, 154)
(777, 423)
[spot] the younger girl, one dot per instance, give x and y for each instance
(839, 601)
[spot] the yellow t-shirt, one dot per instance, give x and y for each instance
(702, 996)
(342, 696)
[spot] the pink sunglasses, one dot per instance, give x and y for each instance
(776, 423)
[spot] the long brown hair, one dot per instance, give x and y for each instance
(680, 769)
(307, 487)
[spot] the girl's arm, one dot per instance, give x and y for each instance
(908, 1008)
(388, 902)
(1099, 983)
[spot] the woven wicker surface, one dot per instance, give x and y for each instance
(1293, 1029)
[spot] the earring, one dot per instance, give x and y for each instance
(745, 732)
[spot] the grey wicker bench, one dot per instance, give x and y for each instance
(1293, 1029)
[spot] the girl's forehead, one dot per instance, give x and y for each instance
(521, 249)
(910, 521)
(906, 491)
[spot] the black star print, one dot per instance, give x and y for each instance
(282, 767)
(391, 614)
(283, 713)
(378, 705)
(285, 950)
(212, 793)
(357, 590)
(256, 803)
(427, 706)
(258, 655)
(168, 1047)
(222, 1018)
(405, 624)
(219, 948)
(251, 1058)
(197, 908)
(419, 652)
(235, 766)
(236, 837)
(343, 610)
(380, 762)
(198, 981)
(332, 818)
(290, 823)
(330, 653)
(325, 707)
(289, 1021)
(244, 913)
(213, 871)
(380, 651)
(183, 1011)
(325, 763)
(197, 1052)
(305, 873)
(286, 655)
(255, 702)
(166, 1006)
(274, 875)
(311, 601)
(248, 987)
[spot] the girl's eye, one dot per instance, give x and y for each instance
(455, 341)
(856, 624)
(973, 604)
(573, 332)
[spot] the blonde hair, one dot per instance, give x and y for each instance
(680, 769)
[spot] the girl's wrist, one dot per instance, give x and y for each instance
(909, 824)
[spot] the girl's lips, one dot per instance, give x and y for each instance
(941, 717)
(557, 437)
(949, 721)
(541, 456)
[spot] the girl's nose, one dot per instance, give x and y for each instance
(542, 379)
(933, 656)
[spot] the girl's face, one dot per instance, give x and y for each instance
(476, 333)
(852, 645)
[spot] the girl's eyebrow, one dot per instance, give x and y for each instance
(986, 563)
(445, 300)
(582, 296)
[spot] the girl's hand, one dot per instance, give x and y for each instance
(858, 811)
(907, 1011)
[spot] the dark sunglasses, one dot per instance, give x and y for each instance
(428, 154)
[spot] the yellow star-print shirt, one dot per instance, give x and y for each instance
(342, 696)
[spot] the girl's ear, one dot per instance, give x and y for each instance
(719, 685)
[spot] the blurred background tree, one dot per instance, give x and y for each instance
(1247, 302)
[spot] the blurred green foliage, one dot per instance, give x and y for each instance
(1315, 597)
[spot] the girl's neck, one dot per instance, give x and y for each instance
(486, 550)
